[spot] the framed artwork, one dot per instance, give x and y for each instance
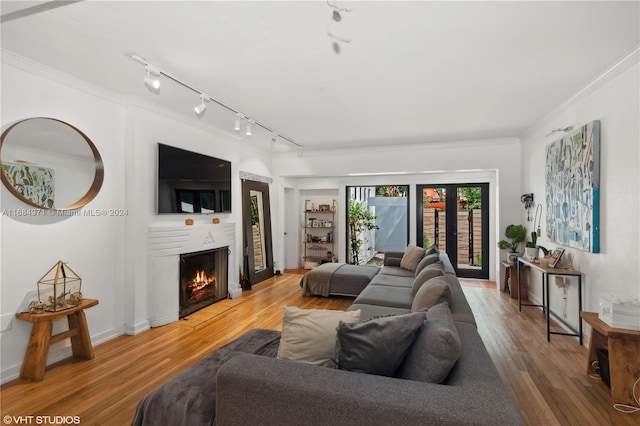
(35, 183)
(555, 257)
(573, 189)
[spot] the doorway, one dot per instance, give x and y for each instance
(455, 218)
(256, 218)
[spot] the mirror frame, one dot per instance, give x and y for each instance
(252, 276)
(83, 200)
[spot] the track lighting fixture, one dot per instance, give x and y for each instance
(200, 108)
(249, 123)
(154, 85)
(239, 117)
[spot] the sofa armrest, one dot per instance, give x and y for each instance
(393, 258)
(253, 389)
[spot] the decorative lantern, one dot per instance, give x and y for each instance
(59, 288)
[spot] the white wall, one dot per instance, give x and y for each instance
(93, 246)
(615, 102)
(493, 161)
(109, 253)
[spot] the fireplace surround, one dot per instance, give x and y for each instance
(203, 279)
(166, 242)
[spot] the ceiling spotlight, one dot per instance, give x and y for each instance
(274, 136)
(152, 83)
(200, 108)
(249, 122)
(239, 117)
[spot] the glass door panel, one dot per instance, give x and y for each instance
(451, 217)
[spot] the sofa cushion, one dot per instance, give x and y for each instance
(396, 271)
(431, 293)
(431, 250)
(435, 350)
(309, 335)
(392, 280)
(377, 346)
(426, 261)
(384, 295)
(431, 271)
(411, 257)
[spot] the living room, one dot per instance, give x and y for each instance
(111, 253)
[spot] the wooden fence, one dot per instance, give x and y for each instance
(469, 234)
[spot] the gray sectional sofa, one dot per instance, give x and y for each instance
(244, 383)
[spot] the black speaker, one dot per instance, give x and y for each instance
(603, 364)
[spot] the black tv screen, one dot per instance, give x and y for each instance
(189, 182)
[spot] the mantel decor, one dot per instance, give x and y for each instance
(573, 189)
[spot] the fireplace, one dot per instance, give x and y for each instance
(203, 279)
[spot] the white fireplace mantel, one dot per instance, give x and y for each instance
(167, 241)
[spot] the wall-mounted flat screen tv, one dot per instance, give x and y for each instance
(189, 182)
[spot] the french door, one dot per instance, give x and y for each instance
(455, 217)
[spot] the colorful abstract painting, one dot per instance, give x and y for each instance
(573, 189)
(35, 183)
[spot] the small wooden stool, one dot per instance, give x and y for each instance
(35, 357)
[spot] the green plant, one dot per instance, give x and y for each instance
(534, 240)
(360, 220)
(515, 233)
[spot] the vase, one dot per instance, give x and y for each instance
(531, 253)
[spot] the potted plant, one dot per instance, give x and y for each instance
(531, 247)
(516, 234)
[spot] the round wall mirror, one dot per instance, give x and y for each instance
(50, 164)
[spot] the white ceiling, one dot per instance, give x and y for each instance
(412, 72)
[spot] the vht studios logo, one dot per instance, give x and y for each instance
(41, 420)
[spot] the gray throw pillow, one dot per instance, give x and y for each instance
(376, 346)
(431, 293)
(435, 350)
(431, 250)
(431, 271)
(411, 257)
(429, 259)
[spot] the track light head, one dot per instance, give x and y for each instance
(202, 107)
(150, 82)
(249, 123)
(239, 117)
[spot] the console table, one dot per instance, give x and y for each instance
(546, 271)
(35, 357)
(624, 363)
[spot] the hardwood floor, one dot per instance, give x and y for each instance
(547, 380)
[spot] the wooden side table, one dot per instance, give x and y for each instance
(511, 276)
(35, 357)
(624, 356)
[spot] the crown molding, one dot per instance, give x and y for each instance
(624, 64)
(12, 59)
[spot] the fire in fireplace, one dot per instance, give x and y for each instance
(203, 279)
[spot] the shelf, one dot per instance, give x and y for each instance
(319, 251)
